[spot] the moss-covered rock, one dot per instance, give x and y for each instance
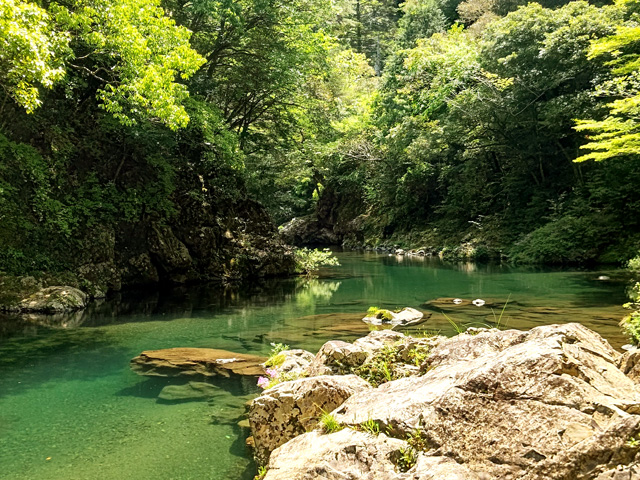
(54, 300)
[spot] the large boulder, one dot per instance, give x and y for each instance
(308, 231)
(378, 339)
(169, 252)
(293, 408)
(295, 361)
(354, 455)
(629, 363)
(54, 300)
(537, 404)
(337, 357)
(207, 362)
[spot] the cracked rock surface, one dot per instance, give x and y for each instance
(550, 403)
(293, 408)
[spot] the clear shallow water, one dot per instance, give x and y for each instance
(70, 408)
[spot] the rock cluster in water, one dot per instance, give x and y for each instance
(556, 402)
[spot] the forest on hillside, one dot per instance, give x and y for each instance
(496, 124)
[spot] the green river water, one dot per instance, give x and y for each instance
(70, 408)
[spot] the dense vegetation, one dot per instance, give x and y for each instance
(497, 124)
(482, 133)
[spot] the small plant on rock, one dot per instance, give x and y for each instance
(380, 368)
(270, 380)
(407, 459)
(262, 472)
(418, 440)
(370, 426)
(276, 358)
(329, 423)
(631, 323)
(419, 354)
(274, 377)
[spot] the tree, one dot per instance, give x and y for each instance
(618, 134)
(31, 51)
(420, 19)
(130, 50)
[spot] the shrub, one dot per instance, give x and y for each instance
(631, 323)
(308, 261)
(564, 240)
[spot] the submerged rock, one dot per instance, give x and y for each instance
(292, 408)
(188, 391)
(208, 362)
(54, 300)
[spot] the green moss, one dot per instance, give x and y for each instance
(380, 313)
(275, 360)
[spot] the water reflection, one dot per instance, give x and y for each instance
(313, 291)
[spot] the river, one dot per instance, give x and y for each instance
(71, 409)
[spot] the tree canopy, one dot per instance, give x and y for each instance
(618, 133)
(439, 120)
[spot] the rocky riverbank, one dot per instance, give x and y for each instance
(203, 244)
(313, 231)
(555, 402)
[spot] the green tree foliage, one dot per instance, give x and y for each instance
(420, 19)
(475, 134)
(618, 133)
(31, 51)
(367, 26)
(134, 51)
(385, 112)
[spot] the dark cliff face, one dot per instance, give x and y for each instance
(203, 242)
(337, 220)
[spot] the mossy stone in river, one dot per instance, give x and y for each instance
(54, 300)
